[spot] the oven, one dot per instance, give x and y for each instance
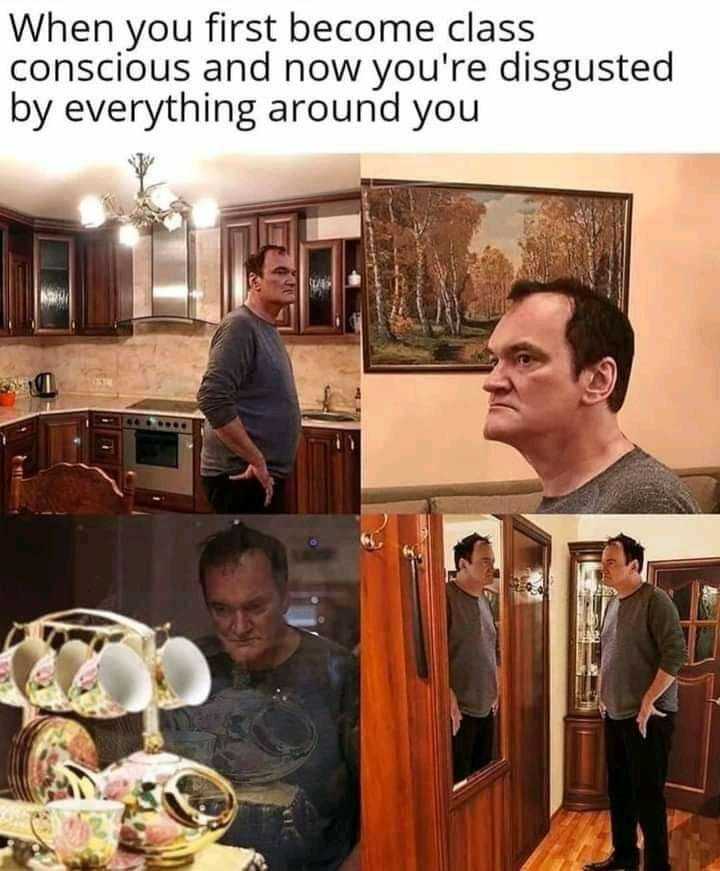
(159, 450)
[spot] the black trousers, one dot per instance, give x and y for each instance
(472, 747)
(242, 497)
(637, 770)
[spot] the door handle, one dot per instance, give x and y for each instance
(352, 443)
(421, 662)
(714, 701)
(77, 440)
(338, 444)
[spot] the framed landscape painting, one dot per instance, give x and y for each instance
(440, 260)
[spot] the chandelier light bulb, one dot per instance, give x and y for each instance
(173, 221)
(162, 197)
(92, 212)
(205, 213)
(128, 235)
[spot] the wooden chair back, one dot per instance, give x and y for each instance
(68, 488)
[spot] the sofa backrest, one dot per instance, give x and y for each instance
(508, 497)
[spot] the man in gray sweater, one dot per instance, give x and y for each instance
(248, 395)
(562, 356)
(642, 651)
(472, 651)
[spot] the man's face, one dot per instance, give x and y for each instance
(533, 389)
(616, 571)
(278, 283)
(481, 567)
(246, 608)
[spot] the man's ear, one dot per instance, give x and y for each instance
(599, 381)
(253, 281)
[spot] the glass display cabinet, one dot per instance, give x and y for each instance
(585, 780)
(55, 284)
(321, 290)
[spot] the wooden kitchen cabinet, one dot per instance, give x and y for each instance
(282, 230)
(20, 311)
(244, 235)
(64, 438)
(20, 439)
(239, 241)
(327, 472)
(106, 287)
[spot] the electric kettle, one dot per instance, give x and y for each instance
(44, 386)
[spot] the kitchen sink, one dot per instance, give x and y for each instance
(335, 416)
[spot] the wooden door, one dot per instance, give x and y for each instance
(98, 292)
(320, 287)
(527, 561)
(20, 295)
(239, 241)
(404, 795)
(63, 439)
(693, 782)
(282, 230)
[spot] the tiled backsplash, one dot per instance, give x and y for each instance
(169, 361)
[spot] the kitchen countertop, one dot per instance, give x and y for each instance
(27, 407)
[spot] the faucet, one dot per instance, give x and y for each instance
(326, 399)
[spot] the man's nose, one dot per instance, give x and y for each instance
(497, 380)
(241, 623)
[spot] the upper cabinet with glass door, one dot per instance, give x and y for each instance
(54, 284)
(321, 289)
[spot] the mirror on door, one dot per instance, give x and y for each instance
(473, 572)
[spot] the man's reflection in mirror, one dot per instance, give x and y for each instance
(472, 643)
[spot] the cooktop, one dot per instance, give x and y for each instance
(176, 405)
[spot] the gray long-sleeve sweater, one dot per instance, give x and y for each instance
(641, 633)
(249, 376)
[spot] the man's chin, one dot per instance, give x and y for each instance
(496, 431)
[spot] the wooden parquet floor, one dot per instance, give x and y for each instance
(576, 838)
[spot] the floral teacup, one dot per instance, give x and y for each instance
(85, 832)
(52, 676)
(182, 674)
(111, 683)
(16, 663)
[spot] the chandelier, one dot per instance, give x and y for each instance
(154, 204)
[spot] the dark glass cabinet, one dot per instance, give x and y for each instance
(54, 284)
(321, 289)
(585, 778)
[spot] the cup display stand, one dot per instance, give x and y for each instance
(197, 803)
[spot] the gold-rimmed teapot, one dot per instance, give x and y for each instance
(174, 807)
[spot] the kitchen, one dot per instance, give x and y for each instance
(105, 343)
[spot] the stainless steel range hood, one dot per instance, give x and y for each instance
(176, 276)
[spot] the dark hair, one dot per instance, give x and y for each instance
(465, 547)
(596, 329)
(255, 264)
(632, 549)
(226, 548)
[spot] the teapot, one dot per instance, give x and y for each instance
(174, 807)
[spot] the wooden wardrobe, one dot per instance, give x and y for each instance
(412, 817)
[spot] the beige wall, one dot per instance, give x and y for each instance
(664, 537)
(427, 429)
(169, 361)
